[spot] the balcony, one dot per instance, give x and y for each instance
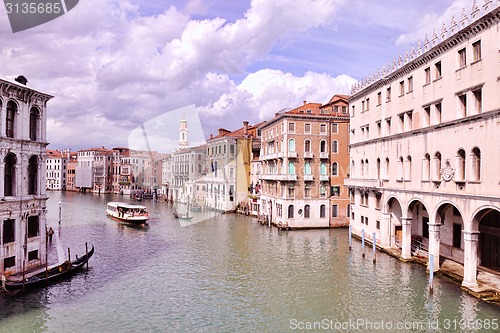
(308, 178)
(279, 177)
(308, 154)
(363, 182)
(324, 155)
(291, 154)
(324, 178)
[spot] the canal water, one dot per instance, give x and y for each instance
(228, 273)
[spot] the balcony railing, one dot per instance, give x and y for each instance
(308, 154)
(308, 178)
(279, 177)
(324, 155)
(291, 154)
(324, 178)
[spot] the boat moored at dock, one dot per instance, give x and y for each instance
(126, 212)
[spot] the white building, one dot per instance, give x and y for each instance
(56, 170)
(424, 148)
(23, 114)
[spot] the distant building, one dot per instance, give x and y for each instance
(71, 172)
(23, 114)
(56, 170)
(92, 172)
(424, 149)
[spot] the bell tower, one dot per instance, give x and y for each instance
(183, 133)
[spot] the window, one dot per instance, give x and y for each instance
(291, 145)
(8, 231)
(476, 47)
(436, 170)
(322, 128)
(462, 58)
(427, 116)
(353, 109)
(291, 191)
(335, 167)
(10, 172)
(462, 105)
(291, 127)
(379, 127)
(307, 211)
(335, 191)
(386, 175)
(33, 226)
(410, 84)
(307, 191)
(437, 68)
(367, 104)
(478, 101)
(378, 168)
(438, 113)
(291, 168)
(379, 98)
(335, 209)
(388, 95)
(322, 211)
(427, 73)
(307, 146)
(9, 262)
(388, 126)
(290, 212)
(401, 88)
(335, 128)
(460, 174)
(426, 167)
(322, 146)
(307, 168)
(10, 117)
(322, 168)
(322, 191)
(335, 146)
(32, 175)
(307, 128)
(476, 164)
(33, 255)
(408, 168)
(33, 123)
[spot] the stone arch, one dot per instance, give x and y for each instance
(486, 221)
(394, 208)
(450, 219)
(418, 217)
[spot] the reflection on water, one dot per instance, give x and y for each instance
(226, 273)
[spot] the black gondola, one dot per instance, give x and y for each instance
(47, 276)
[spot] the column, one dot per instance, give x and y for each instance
(471, 241)
(406, 248)
(434, 242)
(385, 230)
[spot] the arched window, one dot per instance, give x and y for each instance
(32, 175)
(307, 145)
(476, 164)
(460, 175)
(34, 116)
(307, 168)
(386, 175)
(367, 170)
(353, 166)
(436, 170)
(290, 212)
(307, 211)
(10, 175)
(426, 167)
(335, 146)
(408, 168)
(400, 168)
(291, 168)
(215, 168)
(322, 211)
(10, 119)
(378, 168)
(291, 145)
(362, 168)
(335, 167)
(322, 146)
(322, 168)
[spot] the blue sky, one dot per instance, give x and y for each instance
(113, 65)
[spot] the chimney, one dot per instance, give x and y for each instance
(21, 79)
(245, 128)
(305, 102)
(211, 136)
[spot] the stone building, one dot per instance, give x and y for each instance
(23, 114)
(424, 148)
(296, 166)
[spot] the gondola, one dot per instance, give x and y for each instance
(47, 276)
(182, 216)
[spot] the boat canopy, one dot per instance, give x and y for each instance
(125, 205)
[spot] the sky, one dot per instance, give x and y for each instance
(124, 72)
